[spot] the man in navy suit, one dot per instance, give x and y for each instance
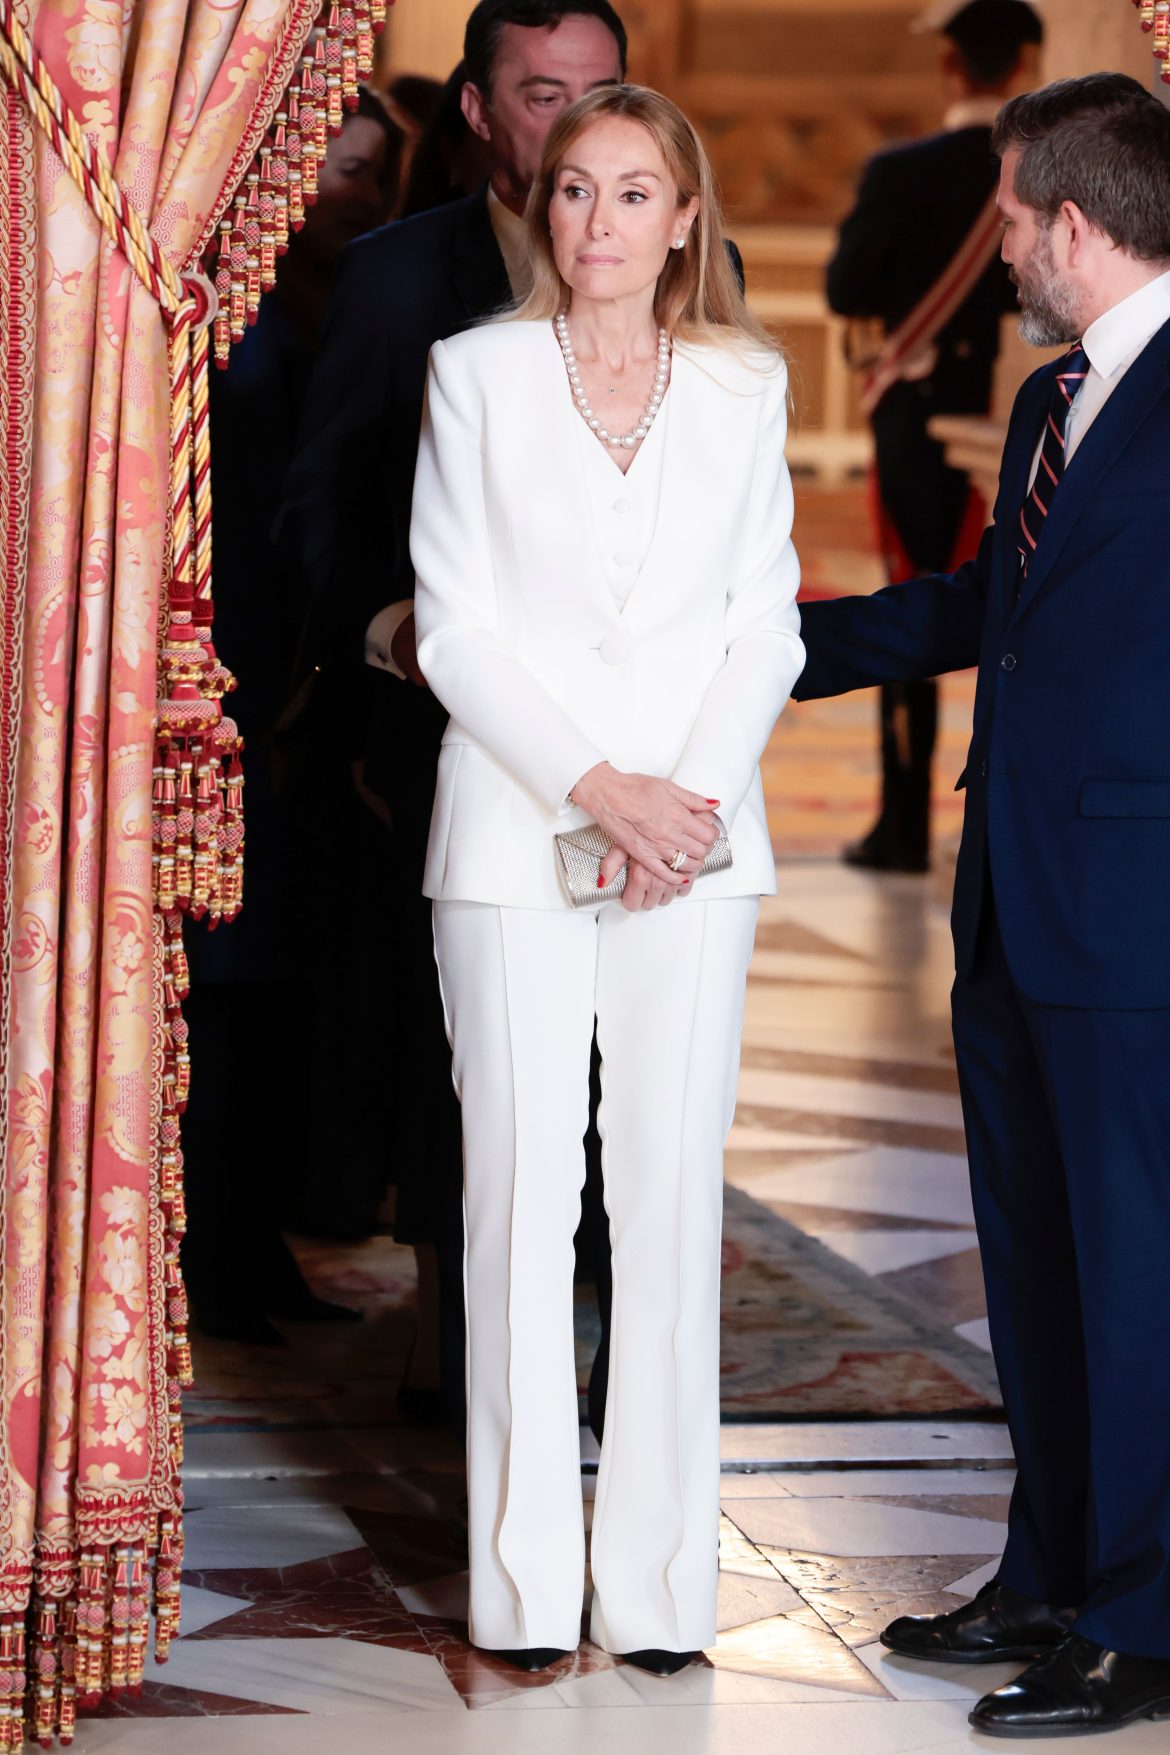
(345, 527)
(1061, 1004)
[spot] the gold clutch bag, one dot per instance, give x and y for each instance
(581, 851)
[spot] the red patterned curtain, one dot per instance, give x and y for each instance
(105, 802)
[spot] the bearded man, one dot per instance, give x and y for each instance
(1061, 1003)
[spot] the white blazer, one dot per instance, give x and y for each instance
(522, 641)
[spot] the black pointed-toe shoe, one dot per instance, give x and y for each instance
(999, 1626)
(531, 1657)
(659, 1663)
(1076, 1691)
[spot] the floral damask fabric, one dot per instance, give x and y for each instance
(175, 94)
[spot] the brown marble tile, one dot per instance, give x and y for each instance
(870, 1131)
(356, 1601)
(482, 1680)
(161, 1700)
(904, 1075)
(950, 1287)
(795, 1648)
(413, 1549)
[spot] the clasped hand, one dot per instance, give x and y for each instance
(650, 823)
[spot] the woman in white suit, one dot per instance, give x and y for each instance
(606, 606)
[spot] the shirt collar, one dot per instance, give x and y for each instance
(976, 112)
(1120, 333)
(511, 231)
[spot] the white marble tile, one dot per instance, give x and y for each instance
(914, 1681)
(215, 1451)
(927, 1727)
(884, 1252)
(319, 1676)
(696, 1687)
(902, 1183)
(890, 1483)
(781, 1139)
(438, 1596)
(851, 1527)
(760, 1484)
(972, 1582)
(978, 1332)
(265, 1535)
(799, 1444)
(858, 1098)
(203, 1608)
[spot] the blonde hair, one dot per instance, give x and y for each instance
(698, 299)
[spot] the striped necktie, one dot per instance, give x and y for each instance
(1074, 369)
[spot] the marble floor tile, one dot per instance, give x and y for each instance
(794, 1647)
(203, 1608)
(744, 1599)
(923, 1727)
(802, 1443)
(949, 1285)
(443, 1597)
(264, 1535)
(969, 1583)
(847, 1097)
(977, 1331)
(885, 1252)
(697, 1688)
(913, 1681)
(325, 1677)
(890, 1483)
(902, 1182)
(851, 1527)
(814, 1575)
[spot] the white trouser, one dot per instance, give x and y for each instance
(521, 988)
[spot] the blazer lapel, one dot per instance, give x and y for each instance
(478, 275)
(1132, 401)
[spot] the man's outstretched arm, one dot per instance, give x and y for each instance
(903, 633)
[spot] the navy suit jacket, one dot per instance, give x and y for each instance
(1068, 773)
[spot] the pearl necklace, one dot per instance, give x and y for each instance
(581, 395)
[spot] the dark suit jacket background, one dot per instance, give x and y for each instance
(1068, 773)
(915, 206)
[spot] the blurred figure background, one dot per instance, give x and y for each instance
(279, 1006)
(918, 257)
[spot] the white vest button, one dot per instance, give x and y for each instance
(614, 649)
(621, 505)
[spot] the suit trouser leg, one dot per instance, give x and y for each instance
(1030, 1271)
(518, 990)
(670, 996)
(1106, 1076)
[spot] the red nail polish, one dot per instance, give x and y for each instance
(601, 883)
(712, 801)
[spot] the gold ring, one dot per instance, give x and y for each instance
(677, 859)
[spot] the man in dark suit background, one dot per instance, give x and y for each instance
(346, 525)
(886, 261)
(1061, 1004)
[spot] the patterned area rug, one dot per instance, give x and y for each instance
(805, 1334)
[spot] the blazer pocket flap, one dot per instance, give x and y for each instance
(1125, 798)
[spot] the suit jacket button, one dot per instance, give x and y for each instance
(1008, 661)
(614, 649)
(983, 770)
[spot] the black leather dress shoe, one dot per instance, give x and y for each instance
(999, 1626)
(659, 1663)
(531, 1657)
(877, 853)
(1076, 1691)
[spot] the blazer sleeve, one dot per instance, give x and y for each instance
(482, 684)
(762, 631)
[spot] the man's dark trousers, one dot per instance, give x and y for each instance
(1062, 997)
(1068, 1135)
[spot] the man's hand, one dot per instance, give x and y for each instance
(404, 652)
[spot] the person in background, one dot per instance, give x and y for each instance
(345, 524)
(917, 207)
(411, 100)
(450, 161)
(279, 1007)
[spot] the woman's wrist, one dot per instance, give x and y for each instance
(585, 793)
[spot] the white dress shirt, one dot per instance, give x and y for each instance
(1112, 343)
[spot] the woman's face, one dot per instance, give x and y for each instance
(614, 213)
